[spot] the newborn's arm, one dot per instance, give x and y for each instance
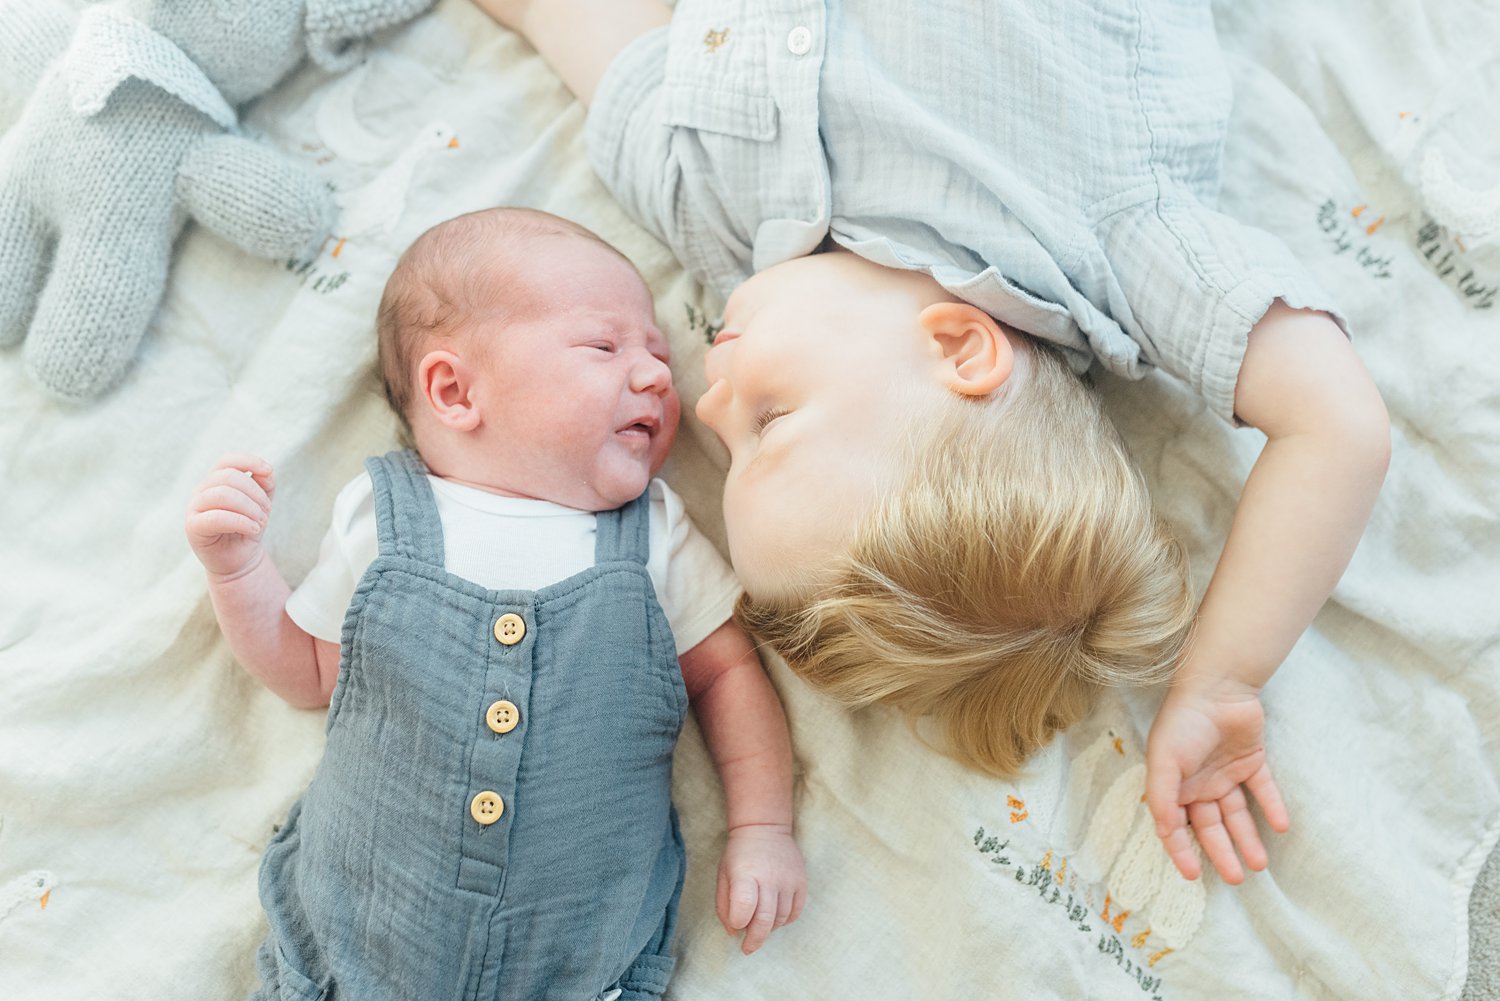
(226, 518)
(761, 881)
(578, 38)
(1300, 516)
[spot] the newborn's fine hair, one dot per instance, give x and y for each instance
(469, 268)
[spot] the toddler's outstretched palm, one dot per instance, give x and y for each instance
(1206, 748)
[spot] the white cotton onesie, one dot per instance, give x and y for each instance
(502, 543)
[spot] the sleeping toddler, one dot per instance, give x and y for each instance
(511, 620)
(925, 220)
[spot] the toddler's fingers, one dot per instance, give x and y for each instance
(761, 925)
(1263, 787)
(1208, 825)
(1163, 785)
(1179, 846)
(1241, 828)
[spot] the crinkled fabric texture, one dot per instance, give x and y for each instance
(1056, 164)
(388, 880)
(142, 773)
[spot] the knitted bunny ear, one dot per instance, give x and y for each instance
(111, 47)
(336, 29)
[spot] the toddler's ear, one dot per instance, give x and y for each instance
(443, 387)
(977, 355)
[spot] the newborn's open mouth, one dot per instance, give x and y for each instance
(645, 428)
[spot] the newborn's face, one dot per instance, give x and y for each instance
(577, 394)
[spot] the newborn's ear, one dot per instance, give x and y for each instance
(977, 355)
(444, 386)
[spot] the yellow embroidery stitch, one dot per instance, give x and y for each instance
(1159, 955)
(714, 39)
(1140, 939)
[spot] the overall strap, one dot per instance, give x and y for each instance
(406, 517)
(625, 532)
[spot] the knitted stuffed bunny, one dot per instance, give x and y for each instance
(130, 131)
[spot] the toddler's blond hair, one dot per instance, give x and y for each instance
(1017, 570)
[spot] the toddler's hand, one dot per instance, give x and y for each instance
(1206, 748)
(509, 13)
(228, 514)
(761, 883)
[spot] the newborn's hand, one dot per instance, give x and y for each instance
(1205, 749)
(228, 513)
(762, 884)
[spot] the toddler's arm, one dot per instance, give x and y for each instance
(1300, 516)
(578, 38)
(761, 880)
(226, 518)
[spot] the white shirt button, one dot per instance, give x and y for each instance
(799, 41)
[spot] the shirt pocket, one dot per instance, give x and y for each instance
(718, 72)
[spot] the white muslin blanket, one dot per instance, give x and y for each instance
(142, 772)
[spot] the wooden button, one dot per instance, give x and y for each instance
(510, 628)
(486, 807)
(502, 716)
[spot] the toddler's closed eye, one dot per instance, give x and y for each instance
(764, 418)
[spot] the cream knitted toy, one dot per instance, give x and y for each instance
(130, 131)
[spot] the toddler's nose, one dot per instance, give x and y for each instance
(712, 403)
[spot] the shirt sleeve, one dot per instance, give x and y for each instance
(694, 584)
(319, 603)
(672, 162)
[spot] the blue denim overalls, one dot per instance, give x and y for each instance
(492, 816)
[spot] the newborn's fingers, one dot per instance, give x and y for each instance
(239, 481)
(743, 894)
(209, 524)
(227, 498)
(252, 466)
(721, 901)
(760, 925)
(784, 902)
(1208, 825)
(798, 899)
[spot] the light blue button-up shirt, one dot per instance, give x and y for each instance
(1054, 163)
